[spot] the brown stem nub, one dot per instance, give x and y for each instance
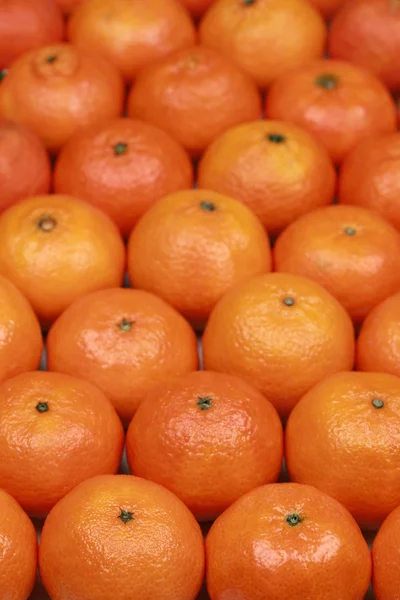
(125, 516)
(42, 407)
(204, 403)
(293, 520)
(47, 223)
(125, 325)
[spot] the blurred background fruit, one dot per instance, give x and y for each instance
(351, 251)
(129, 33)
(277, 169)
(195, 95)
(56, 249)
(123, 167)
(274, 543)
(222, 438)
(166, 559)
(340, 103)
(206, 243)
(265, 38)
(56, 90)
(343, 437)
(25, 25)
(123, 341)
(385, 558)
(55, 432)
(282, 333)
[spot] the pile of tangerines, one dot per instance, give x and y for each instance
(214, 185)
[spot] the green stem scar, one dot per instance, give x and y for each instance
(125, 325)
(328, 81)
(51, 59)
(42, 407)
(205, 403)
(3, 73)
(350, 231)
(208, 206)
(120, 148)
(125, 516)
(293, 520)
(289, 301)
(378, 403)
(47, 223)
(276, 138)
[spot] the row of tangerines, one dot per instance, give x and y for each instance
(205, 445)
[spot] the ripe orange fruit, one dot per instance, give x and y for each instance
(369, 177)
(195, 95)
(21, 339)
(286, 541)
(343, 437)
(56, 249)
(280, 332)
(67, 6)
(131, 34)
(378, 343)
(265, 38)
(367, 33)
(25, 25)
(279, 170)
(385, 558)
(135, 538)
(125, 341)
(327, 7)
(222, 438)
(206, 243)
(123, 167)
(340, 103)
(351, 251)
(19, 145)
(18, 549)
(55, 431)
(57, 90)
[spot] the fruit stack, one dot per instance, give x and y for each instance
(199, 299)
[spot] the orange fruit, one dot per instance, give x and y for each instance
(340, 103)
(282, 333)
(327, 7)
(57, 90)
(195, 94)
(378, 343)
(56, 249)
(385, 558)
(55, 431)
(122, 166)
(135, 538)
(191, 420)
(131, 34)
(18, 549)
(67, 6)
(125, 341)
(369, 177)
(343, 437)
(367, 33)
(206, 243)
(19, 145)
(278, 169)
(286, 541)
(25, 25)
(21, 339)
(351, 251)
(265, 38)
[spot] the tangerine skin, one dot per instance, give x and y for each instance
(123, 185)
(248, 331)
(159, 554)
(44, 455)
(253, 554)
(57, 98)
(339, 442)
(87, 341)
(215, 454)
(21, 342)
(352, 109)
(18, 546)
(386, 557)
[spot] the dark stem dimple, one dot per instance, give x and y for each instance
(248, 2)
(47, 223)
(204, 403)
(208, 206)
(51, 59)
(3, 73)
(125, 325)
(350, 231)
(289, 301)
(42, 407)
(120, 148)
(378, 403)
(293, 520)
(328, 81)
(125, 516)
(276, 138)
